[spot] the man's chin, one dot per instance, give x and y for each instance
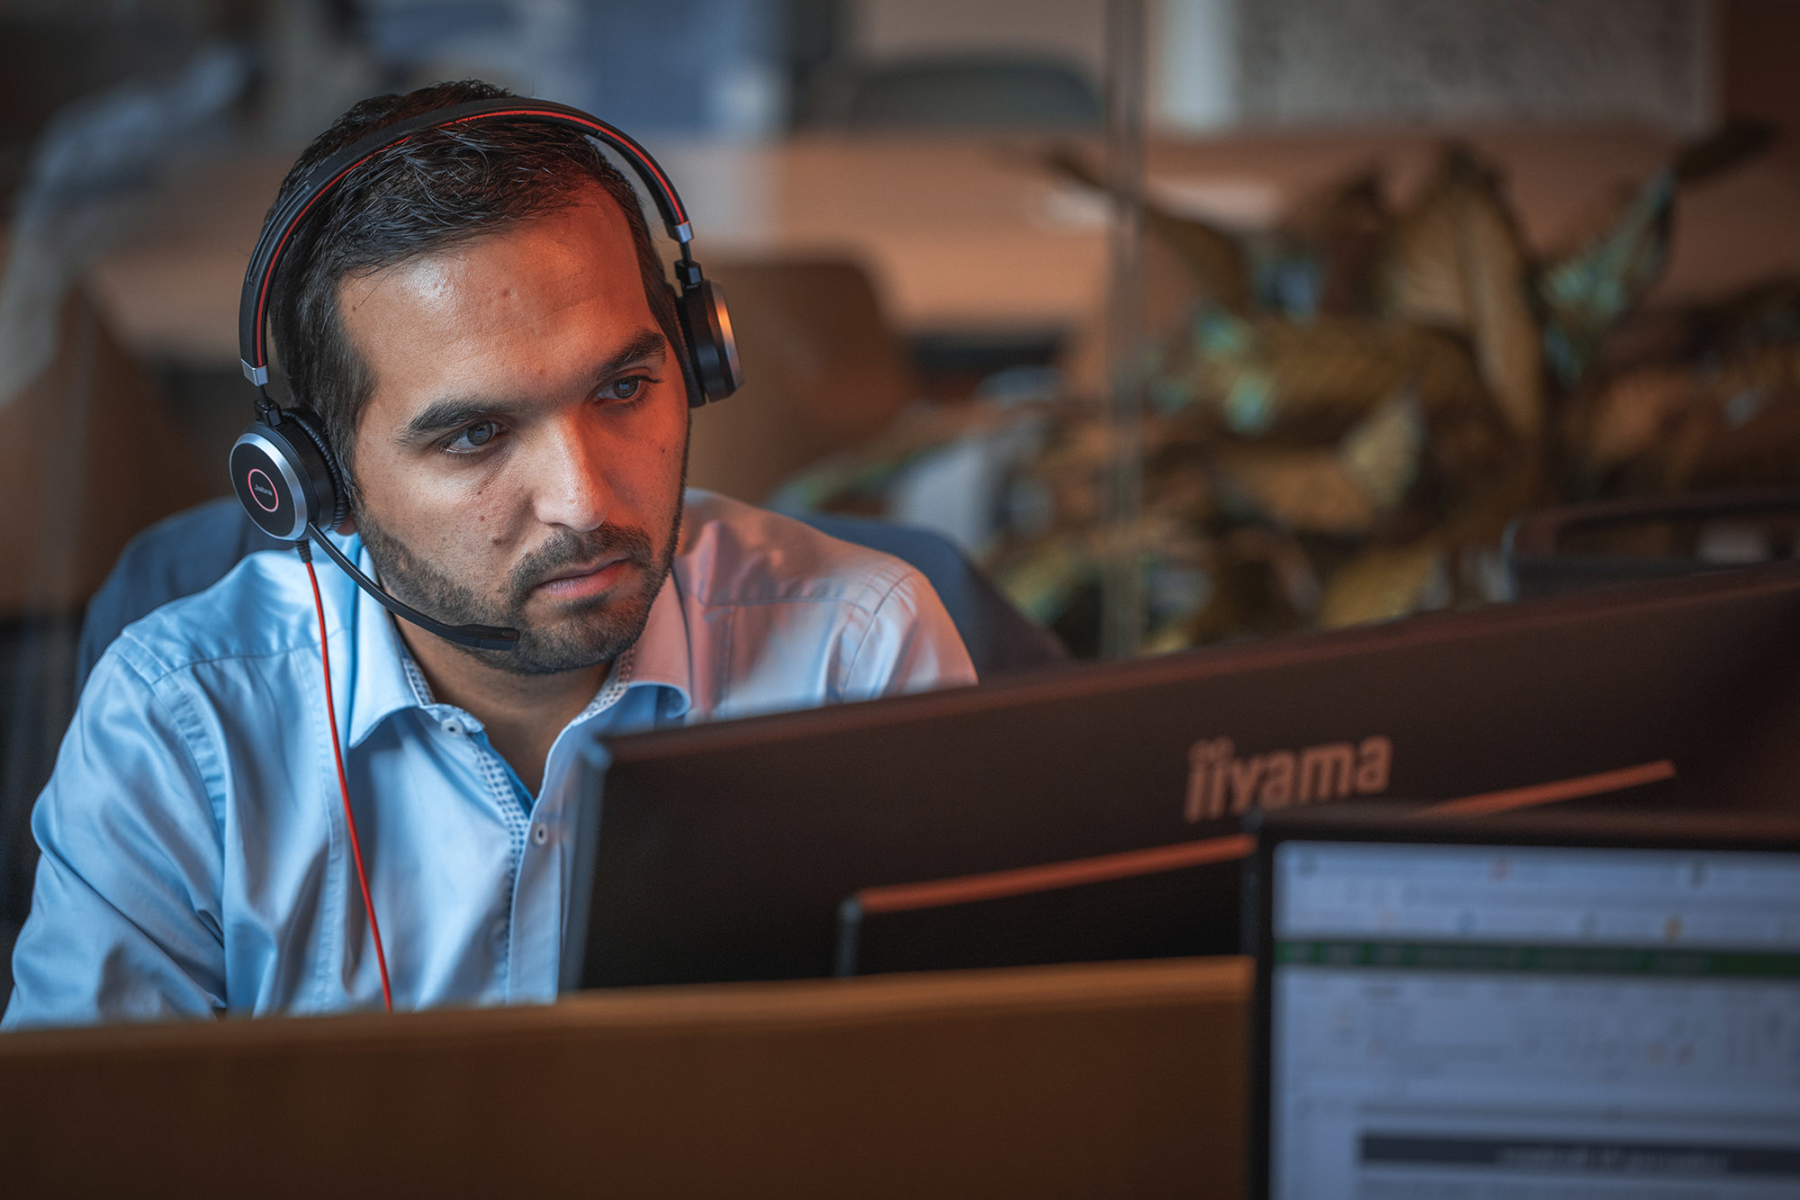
(572, 624)
(578, 636)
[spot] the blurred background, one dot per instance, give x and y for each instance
(1186, 321)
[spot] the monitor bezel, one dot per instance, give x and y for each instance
(1392, 823)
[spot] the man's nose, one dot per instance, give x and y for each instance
(568, 476)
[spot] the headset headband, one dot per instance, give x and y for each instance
(253, 306)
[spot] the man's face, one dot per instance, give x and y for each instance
(520, 460)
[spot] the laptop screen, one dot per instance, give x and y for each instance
(1533, 1022)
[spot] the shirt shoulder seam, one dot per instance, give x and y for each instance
(165, 668)
(874, 615)
(867, 594)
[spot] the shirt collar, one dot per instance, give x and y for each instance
(661, 653)
(386, 680)
(382, 681)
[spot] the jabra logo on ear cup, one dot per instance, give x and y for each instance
(262, 489)
(265, 474)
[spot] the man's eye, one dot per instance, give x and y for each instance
(623, 389)
(473, 438)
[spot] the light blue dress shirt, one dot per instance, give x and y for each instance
(195, 855)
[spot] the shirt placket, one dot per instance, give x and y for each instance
(507, 799)
(538, 899)
(528, 935)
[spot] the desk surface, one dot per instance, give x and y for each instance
(971, 233)
(1091, 1080)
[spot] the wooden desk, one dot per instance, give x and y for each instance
(1120, 1079)
(970, 233)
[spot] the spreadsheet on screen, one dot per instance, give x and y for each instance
(1534, 1022)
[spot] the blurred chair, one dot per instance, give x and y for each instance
(823, 370)
(939, 93)
(192, 550)
(1580, 546)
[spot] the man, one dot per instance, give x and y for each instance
(479, 317)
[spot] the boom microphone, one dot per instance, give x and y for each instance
(480, 637)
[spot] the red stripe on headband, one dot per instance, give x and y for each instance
(599, 127)
(622, 143)
(262, 292)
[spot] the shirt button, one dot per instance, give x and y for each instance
(453, 727)
(540, 833)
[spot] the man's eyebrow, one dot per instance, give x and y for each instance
(644, 345)
(442, 416)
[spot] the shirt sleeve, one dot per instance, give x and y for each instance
(125, 921)
(911, 646)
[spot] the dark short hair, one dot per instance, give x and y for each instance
(436, 189)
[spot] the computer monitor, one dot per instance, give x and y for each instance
(1533, 1006)
(1093, 812)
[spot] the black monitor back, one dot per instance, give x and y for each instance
(727, 851)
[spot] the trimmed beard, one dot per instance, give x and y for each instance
(589, 632)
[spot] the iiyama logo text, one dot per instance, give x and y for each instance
(1220, 782)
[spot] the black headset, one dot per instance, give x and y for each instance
(282, 467)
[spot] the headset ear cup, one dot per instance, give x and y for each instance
(286, 478)
(328, 486)
(278, 479)
(684, 353)
(706, 324)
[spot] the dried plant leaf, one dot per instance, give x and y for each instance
(1308, 491)
(1589, 289)
(1342, 491)
(1311, 383)
(1216, 258)
(1586, 293)
(1382, 453)
(1630, 415)
(1344, 231)
(1263, 584)
(1456, 260)
(1350, 468)
(1384, 583)
(1668, 418)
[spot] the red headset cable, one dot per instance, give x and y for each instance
(387, 994)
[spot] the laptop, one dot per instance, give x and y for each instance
(1547, 1008)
